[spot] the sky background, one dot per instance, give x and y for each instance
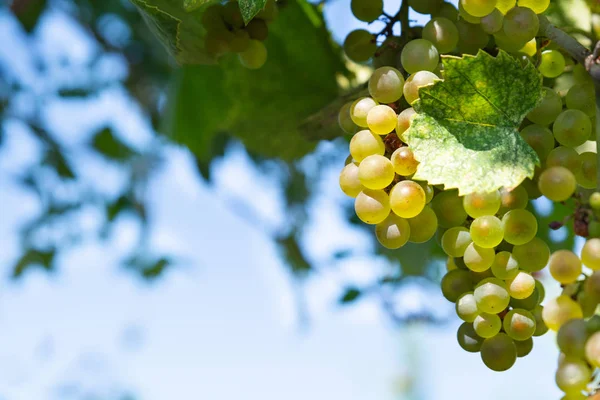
(223, 324)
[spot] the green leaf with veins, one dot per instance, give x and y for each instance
(250, 8)
(465, 134)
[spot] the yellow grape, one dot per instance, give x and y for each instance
(521, 286)
(404, 120)
(479, 8)
(382, 120)
(565, 266)
(559, 310)
(386, 85)
(407, 199)
(538, 6)
(393, 233)
(404, 161)
(455, 241)
(376, 172)
(478, 259)
(360, 110)
(349, 182)
(590, 254)
(415, 82)
(365, 143)
(372, 206)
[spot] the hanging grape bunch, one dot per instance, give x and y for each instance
(226, 32)
(489, 235)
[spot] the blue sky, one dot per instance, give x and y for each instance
(223, 325)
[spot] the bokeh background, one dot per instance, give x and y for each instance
(137, 269)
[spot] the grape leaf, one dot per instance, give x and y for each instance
(465, 134)
(192, 5)
(250, 8)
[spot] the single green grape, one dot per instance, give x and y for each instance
(442, 33)
(376, 172)
(382, 119)
(590, 254)
(524, 347)
(417, 81)
(456, 283)
(360, 45)
(588, 303)
(349, 182)
(255, 55)
(521, 286)
(512, 199)
(552, 63)
(487, 325)
(537, 6)
(471, 37)
(479, 8)
(520, 226)
(386, 85)
(367, 10)
(492, 22)
(557, 183)
(592, 285)
(559, 310)
(419, 55)
(345, 120)
(519, 324)
(512, 44)
(425, 6)
(372, 206)
(539, 138)
(572, 128)
(505, 266)
(393, 233)
(587, 175)
(466, 307)
(360, 110)
(468, 339)
(573, 375)
(365, 143)
(566, 157)
(448, 207)
(521, 25)
(455, 241)
(404, 162)
(407, 199)
(491, 295)
(487, 231)
(533, 255)
(582, 97)
(547, 111)
(258, 29)
(478, 259)
(446, 10)
(571, 338)
(423, 226)
(595, 201)
(499, 353)
(565, 266)
(482, 204)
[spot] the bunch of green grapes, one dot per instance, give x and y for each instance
(226, 32)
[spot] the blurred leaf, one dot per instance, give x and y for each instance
(414, 258)
(123, 203)
(265, 107)
(217, 149)
(106, 143)
(293, 255)
(296, 188)
(250, 8)
(192, 5)
(28, 12)
(33, 258)
(148, 268)
(351, 295)
(58, 162)
(74, 92)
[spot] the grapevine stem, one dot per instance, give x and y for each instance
(564, 40)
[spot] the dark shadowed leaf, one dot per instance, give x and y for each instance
(107, 144)
(34, 258)
(351, 295)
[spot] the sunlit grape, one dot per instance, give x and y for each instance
(360, 110)
(404, 161)
(519, 324)
(466, 307)
(487, 325)
(573, 375)
(505, 266)
(566, 157)
(419, 55)
(479, 8)
(512, 199)
(559, 310)
(386, 85)
(464, 15)
(407, 199)
(404, 120)
(382, 119)
(365, 143)
(349, 182)
(393, 233)
(538, 6)
(491, 295)
(372, 206)
(590, 254)
(565, 266)
(360, 45)
(468, 339)
(455, 241)
(481, 204)
(477, 258)
(592, 350)
(417, 81)
(428, 189)
(442, 33)
(255, 55)
(557, 183)
(520, 226)
(376, 172)
(552, 63)
(572, 128)
(487, 231)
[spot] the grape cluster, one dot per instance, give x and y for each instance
(494, 254)
(226, 32)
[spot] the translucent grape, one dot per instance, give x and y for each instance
(595, 201)
(520, 226)
(587, 175)
(428, 189)
(573, 375)
(521, 286)
(442, 33)
(513, 199)
(540, 325)
(491, 295)
(349, 182)
(345, 120)
(487, 231)
(393, 233)
(524, 347)
(582, 97)
(423, 226)
(360, 45)
(468, 339)
(471, 37)
(255, 55)
(479, 8)
(360, 110)
(417, 81)
(455, 241)
(404, 120)
(419, 55)
(466, 16)
(509, 43)
(566, 157)
(565, 266)
(481, 204)
(456, 283)
(552, 63)
(539, 138)
(559, 310)
(571, 338)
(258, 29)
(572, 128)
(519, 324)
(590, 254)
(425, 6)
(588, 304)
(547, 111)
(521, 25)
(365, 143)
(538, 6)
(533, 255)
(492, 22)
(367, 10)
(592, 350)
(372, 206)
(505, 266)
(386, 85)
(376, 172)
(557, 183)
(477, 258)
(487, 325)
(404, 161)
(499, 353)
(382, 120)
(407, 199)
(528, 303)
(592, 325)
(449, 209)
(466, 307)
